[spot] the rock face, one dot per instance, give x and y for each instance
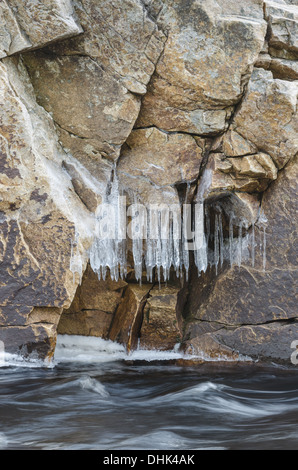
(154, 163)
(179, 102)
(109, 65)
(128, 318)
(275, 131)
(258, 315)
(194, 87)
(91, 312)
(160, 329)
(28, 25)
(282, 26)
(36, 225)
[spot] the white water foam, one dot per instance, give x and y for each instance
(88, 349)
(88, 383)
(74, 348)
(16, 360)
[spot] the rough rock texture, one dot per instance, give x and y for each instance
(275, 104)
(91, 312)
(194, 87)
(282, 26)
(260, 302)
(184, 101)
(154, 162)
(128, 318)
(160, 328)
(28, 25)
(122, 37)
(37, 224)
(101, 123)
(109, 66)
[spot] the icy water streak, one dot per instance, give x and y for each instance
(96, 397)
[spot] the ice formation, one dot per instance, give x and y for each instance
(160, 238)
(108, 251)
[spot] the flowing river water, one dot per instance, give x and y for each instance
(94, 396)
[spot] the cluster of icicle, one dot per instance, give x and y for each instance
(156, 252)
(157, 255)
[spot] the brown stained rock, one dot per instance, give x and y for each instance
(207, 347)
(92, 84)
(84, 100)
(259, 166)
(34, 266)
(42, 214)
(48, 240)
(12, 37)
(145, 192)
(96, 157)
(251, 174)
(164, 159)
(160, 328)
(283, 25)
(93, 307)
(122, 37)
(267, 116)
(282, 54)
(152, 162)
(36, 341)
(91, 197)
(243, 206)
(234, 145)
(85, 323)
(283, 69)
(252, 308)
(254, 297)
(29, 25)
(197, 59)
(95, 294)
(194, 88)
(270, 342)
(127, 322)
(44, 315)
(157, 111)
(236, 165)
(14, 148)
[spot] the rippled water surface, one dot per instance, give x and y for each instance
(98, 398)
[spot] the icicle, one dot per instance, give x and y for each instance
(231, 239)
(184, 250)
(155, 244)
(108, 249)
(216, 243)
(150, 263)
(262, 221)
(202, 240)
(139, 232)
(201, 258)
